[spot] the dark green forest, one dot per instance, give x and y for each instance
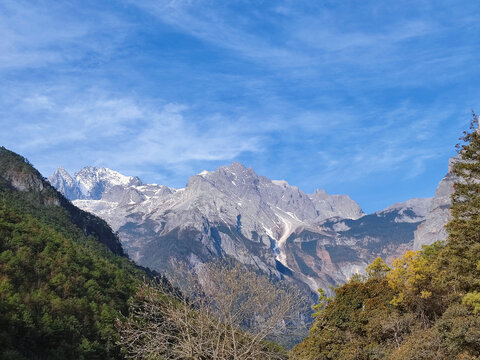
(62, 287)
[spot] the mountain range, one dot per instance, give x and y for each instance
(315, 240)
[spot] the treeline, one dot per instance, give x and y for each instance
(427, 306)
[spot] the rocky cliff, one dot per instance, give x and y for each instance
(438, 215)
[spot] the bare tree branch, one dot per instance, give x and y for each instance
(224, 312)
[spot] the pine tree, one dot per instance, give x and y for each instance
(377, 269)
(462, 251)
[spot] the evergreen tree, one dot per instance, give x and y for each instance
(377, 269)
(427, 305)
(462, 252)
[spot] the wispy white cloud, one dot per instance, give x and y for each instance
(328, 46)
(403, 142)
(317, 94)
(40, 34)
(124, 132)
(136, 135)
(302, 40)
(222, 27)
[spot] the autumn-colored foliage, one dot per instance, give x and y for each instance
(427, 306)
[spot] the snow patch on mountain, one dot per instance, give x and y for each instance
(287, 231)
(94, 181)
(281, 183)
(90, 182)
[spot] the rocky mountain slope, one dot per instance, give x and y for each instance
(433, 228)
(315, 239)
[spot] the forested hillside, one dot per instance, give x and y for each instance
(30, 193)
(62, 281)
(427, 305)
(67, 291)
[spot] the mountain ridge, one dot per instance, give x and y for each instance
(315, 239)
(90, 182)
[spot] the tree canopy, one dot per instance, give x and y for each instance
(61, 289)
(427, 306)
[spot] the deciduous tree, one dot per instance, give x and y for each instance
(226, 312)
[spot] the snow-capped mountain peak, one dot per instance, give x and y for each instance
(94, 181)
(65, 183)
(90, 182)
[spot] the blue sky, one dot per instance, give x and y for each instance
(365, 98)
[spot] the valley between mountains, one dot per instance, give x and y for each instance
(313, 240)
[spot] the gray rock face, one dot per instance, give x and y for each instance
(412, 210)
(336, 205)
(433, 228)
(335, 249)
(313, 239)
